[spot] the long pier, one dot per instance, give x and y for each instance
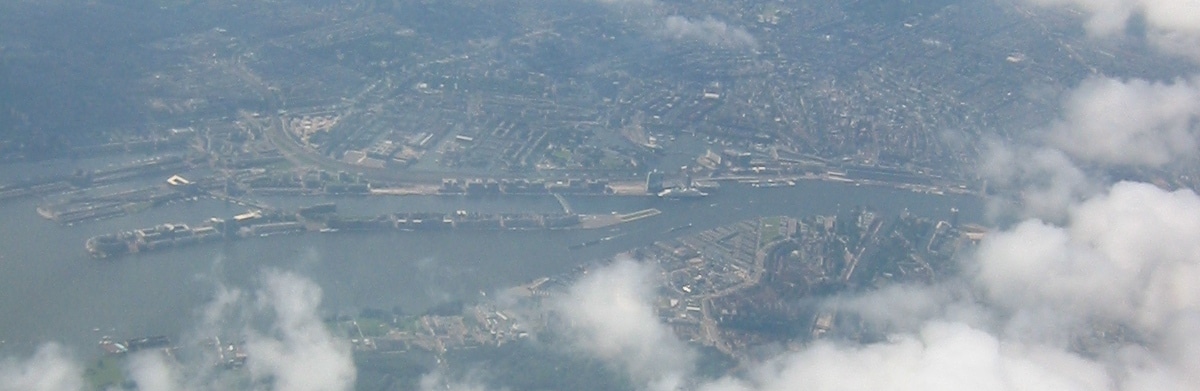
(324, 218)
(562, 201)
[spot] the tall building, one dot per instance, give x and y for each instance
(654, 182)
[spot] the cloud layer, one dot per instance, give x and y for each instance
(1172, 25)
(610, 315)
(942, 356)
(1123, 259)
(1103, 258)
(709, 30)
(50, 369)
(295, 352)
(1033, 181)
(1130, 122)
(298, 352)
(1129, 255)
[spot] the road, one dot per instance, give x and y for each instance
(272, 128)
(712, 333)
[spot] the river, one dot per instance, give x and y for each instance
(50, 290)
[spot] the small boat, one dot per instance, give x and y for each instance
(592, 242)
(676, 193)
(679, 228)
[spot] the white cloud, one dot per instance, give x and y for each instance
(50, 369)
(151, 371)
(656, 18)
(298, 353)
(1173, 25)
(294, 352)
(707, 30)
(610, 316)
(907, 308)
(1130, 255)
(436, 381)
(1132, 122)
(1126, 256)
(1041, 182)
(1123, 255)
(942, 356)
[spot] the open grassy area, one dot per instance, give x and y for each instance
(104, 373)
(372, 327)
(771, 230)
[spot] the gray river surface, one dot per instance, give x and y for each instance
(50, 290)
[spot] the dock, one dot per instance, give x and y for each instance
(324, 218)
(563, 202)
(602, 221)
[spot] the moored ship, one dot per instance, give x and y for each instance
(676, 193)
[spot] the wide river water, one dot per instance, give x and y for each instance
(50, 290)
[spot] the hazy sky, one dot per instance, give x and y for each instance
(1084, 250)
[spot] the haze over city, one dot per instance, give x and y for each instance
(599, 195)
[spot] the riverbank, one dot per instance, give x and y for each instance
(43, 262)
